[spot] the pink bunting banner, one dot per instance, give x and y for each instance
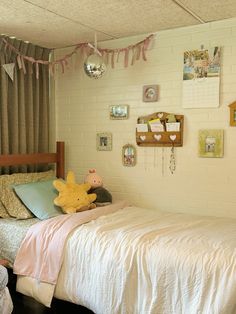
(110, 55)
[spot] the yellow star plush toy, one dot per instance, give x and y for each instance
(73, 197)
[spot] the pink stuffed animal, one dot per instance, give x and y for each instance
(103, 196)
(93, 179)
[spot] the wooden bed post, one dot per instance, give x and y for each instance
(60, 171)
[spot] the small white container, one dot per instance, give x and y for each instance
(172, 126)
(142, 127)
(157, 127)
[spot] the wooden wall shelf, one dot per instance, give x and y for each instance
(165, 138)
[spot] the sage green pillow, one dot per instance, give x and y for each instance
(39, 197)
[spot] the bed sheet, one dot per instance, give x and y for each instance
(12, 232)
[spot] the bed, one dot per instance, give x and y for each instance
(6, 305)
(135, 260)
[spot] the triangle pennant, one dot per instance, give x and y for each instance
(9, 68)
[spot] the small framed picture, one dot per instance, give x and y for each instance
(129, 155)
(104, 141)
(150, 93)
(211, 143)
(119, 112)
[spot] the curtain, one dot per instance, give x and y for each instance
(24, 102)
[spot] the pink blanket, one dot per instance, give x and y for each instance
(41, 253)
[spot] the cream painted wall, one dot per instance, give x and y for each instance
(199, 185)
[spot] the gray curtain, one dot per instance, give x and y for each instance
(24, 103)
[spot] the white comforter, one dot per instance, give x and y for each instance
(139, 261)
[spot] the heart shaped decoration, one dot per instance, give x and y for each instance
(173, 137)
(157, 137)
(160, 115)
(142, 137)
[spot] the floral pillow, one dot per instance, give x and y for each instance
(3, 211)
(12, 203)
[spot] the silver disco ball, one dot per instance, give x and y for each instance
(94, 66)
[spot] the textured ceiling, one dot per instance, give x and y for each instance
(61, 23)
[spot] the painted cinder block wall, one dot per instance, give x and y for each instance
(199, 185)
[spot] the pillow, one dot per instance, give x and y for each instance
(12, 203)
(39, 197)
(3, 211)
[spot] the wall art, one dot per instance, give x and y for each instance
(129, 157)
(134, 50)
(150, 93)
(232, 108)
(104, 141)
(201, 78)
(119, 112)
(211, 143)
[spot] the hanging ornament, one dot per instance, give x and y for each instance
(172, 165)
(9, 68)
(163, 162)
(94, 65)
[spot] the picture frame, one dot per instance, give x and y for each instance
(104, 141)
(211, 143)
(129, 156)
(119, 112)
(150, 93)
(232, 107)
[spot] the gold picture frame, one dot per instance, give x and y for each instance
(104, 141)
(211, 143)
(129, 155)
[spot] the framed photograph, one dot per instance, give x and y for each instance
(119, 112)
(211, 143)
(150, 93)
(129, 155)
(104, 141)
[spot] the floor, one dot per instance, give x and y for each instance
(26, 305)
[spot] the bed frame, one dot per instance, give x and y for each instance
(57, 158)
(23, 303)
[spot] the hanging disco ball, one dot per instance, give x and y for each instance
(94, 66)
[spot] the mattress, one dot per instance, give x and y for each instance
(12, 232)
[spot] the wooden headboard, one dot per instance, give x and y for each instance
(38, 158)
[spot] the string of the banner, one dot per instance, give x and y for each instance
(138, 50)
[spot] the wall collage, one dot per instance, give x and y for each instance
(201, 87)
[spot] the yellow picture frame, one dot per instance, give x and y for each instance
(210, 143)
